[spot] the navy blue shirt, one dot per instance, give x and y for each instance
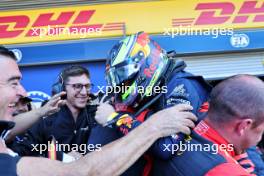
(8, 165)
(62, 126)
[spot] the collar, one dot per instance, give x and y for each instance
(88, 108)
(8, 151)
(206, 131)
(5, 127)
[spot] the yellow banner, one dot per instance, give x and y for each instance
(110, 20)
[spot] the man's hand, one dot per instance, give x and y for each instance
(25, 120)
(173, 120)
(104, 110)
(53, 105)
(75, 155)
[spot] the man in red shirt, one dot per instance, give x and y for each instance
(235, 122)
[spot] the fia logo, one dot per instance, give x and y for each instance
(239, 40)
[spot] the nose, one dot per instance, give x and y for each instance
(21, 91)
(84, 91)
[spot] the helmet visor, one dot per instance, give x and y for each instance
(117, 75)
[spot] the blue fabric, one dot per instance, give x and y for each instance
(62, 126)
(8, 165)
(182, 87)
(255, 156)
(189, 163)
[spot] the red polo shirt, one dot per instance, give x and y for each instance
(232, 167)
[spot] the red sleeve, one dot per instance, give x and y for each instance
(230, 169)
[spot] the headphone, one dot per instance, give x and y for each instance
(58, 86)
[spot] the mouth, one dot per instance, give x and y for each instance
(12, 105)
(12, 108)
(82, 98)
(9, 110)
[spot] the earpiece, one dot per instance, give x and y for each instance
(58, 86)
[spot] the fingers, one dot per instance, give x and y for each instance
(56, 99)
(190, 115)
(185, 130)
(188, 123)
(102, 101)
(60, 103)
(177, 119)
(104, 110)
(53, 101)
(184, 126)
(58, 95)
(53, 104)
(183, 107)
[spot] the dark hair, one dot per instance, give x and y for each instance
(74, 70)
(6, 52)
(240, 96)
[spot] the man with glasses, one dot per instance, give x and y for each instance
(72, 124)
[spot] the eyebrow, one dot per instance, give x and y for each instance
(14, 78)
(78, 83)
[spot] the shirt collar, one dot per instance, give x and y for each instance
(5, 126)
(206, 131)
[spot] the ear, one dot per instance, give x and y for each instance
(243, 125)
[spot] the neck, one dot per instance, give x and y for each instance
(226, 131)
(75, 111)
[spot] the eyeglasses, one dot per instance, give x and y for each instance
(78, 87)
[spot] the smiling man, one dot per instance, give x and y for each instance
(123, 153)
(10, 87)
(72, 124)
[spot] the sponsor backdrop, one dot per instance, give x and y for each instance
(49, 36)
(39, 73)
(108, 20)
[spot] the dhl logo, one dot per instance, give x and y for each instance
(14, 26)
(216, 13)
(113, 20)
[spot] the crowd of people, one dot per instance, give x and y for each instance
(164, 122)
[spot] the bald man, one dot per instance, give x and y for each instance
(235, 122)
